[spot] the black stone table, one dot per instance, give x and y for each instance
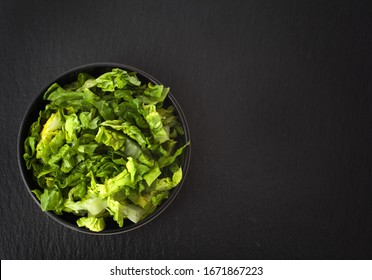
(278, 96)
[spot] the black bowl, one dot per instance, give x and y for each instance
(38, 104)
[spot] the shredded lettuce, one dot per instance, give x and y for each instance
(104, 148)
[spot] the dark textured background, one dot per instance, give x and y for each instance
(278, 96)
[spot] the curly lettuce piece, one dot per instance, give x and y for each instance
(91, 205)
(154, 120)
(51, 137)
(92, 223)
(128, 129)
(110, 138)
(169, 159)
(117, 79)
(52, 200)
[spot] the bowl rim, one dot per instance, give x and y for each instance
(160, 209)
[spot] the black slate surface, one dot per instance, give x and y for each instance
(278, 97)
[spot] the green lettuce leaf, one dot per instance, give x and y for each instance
(154, 120)
(89, 204)
(131, 130)
(52, 200)
(92, 223)
(117, 79)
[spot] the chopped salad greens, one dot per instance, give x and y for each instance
(105, 147)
